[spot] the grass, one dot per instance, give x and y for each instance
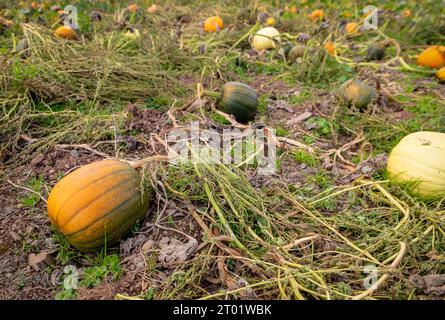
(249, 229)
(32, 198)
(108, 266)
(302, 156)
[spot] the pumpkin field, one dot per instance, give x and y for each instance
(346, 99)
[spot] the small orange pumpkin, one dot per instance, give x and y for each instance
(351, 28)
(293, 9)
(96, 204)
(433, 57)
(133, 8)
(213, 24)
(317, 15)
(65, 32)
(330, 48)
(152, 9)
(441, 74)
(406, 13)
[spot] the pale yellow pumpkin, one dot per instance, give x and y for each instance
(265, 38)
(419, 162)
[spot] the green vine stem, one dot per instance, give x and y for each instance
(254, 29)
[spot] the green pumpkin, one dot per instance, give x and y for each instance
(296, 54)
(239, 100)
(286, 49)
(357, 93)
(375, 52)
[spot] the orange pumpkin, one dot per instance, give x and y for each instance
(133, 8)
(65, 32)
(96, 204)
(351, 28)
(213, 24)
(330, 48)
(441, 74)
(317, 15)
(433, 57)
(293, 10)
(152, 9)
(406, 13)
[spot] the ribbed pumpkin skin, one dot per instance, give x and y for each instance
(98, 201)
(239, 100)
(420, 157)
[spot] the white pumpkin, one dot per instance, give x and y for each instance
(419, 158)
(132, 34)
(264, 39)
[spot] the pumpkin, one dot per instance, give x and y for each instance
(317, 15)
(293, 9)
(98, 202)
(418, 161)
(239, 100)
(270, 21)
(152, 9)
(213, 24)
(132, 34)
(433, 57)
(65, 32)
(330, 48)
(406, 13)
(351, 28)
(133, 8)
(357, 93)
(376, 51)
(264, 39)
(296, 54)
(441, 74)
(285, 49)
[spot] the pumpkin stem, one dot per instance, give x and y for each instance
(140, 163)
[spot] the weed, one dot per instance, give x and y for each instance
(31, 199)
(109, 266)
(301, 156)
